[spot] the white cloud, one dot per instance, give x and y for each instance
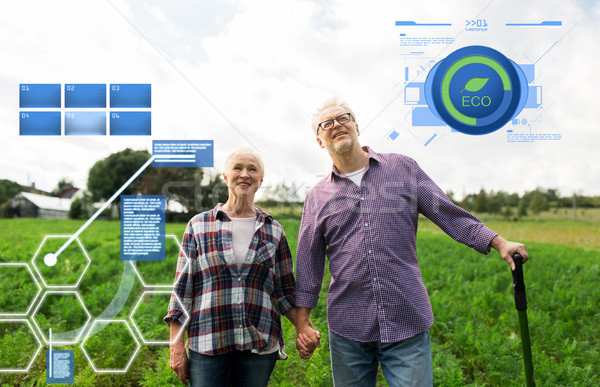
(265, 65)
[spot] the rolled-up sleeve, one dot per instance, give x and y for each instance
(183, 288)
(285, 284)
(310, 258)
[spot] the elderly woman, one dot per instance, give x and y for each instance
(235, 280)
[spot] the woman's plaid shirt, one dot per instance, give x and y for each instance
(231, 309)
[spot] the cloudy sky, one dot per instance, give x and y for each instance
(252, 72)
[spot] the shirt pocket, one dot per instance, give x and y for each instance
(265, 254)
(212, 264)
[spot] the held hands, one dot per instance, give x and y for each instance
(507, 249)
(179, 361)
(307, 340)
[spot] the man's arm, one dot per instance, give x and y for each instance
(178, 360)
(307, 338)
(461, 225)
(507, 249)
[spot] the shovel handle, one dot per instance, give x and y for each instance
(518, 283)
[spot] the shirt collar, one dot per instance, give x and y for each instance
(372, 155)
(261, 214)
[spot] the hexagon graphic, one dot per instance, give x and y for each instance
(159, 274)
(147, 317)
(65, 313)
(18, 299)
(14, 339)
(64, 270)
(105, 346)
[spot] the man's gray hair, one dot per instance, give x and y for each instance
(245, 151)
(333, 101)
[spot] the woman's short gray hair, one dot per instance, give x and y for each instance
(245, 151)
(333, 101)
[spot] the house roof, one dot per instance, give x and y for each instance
(68, 192)
(47, 202)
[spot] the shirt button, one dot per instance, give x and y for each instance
(370, 251)
(378, 306)
(239, 279)
(374, 279)
(362, 198)
(366, 224)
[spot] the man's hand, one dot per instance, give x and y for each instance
(307, 337)
(507, 249)
(307, 340)
(179, 361)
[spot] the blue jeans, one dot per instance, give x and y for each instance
(405, 363)
(237, 368)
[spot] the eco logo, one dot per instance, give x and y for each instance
(476, 90)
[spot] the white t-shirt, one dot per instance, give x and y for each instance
(242, 231)
(356, 176)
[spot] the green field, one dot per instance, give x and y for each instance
(475, 337)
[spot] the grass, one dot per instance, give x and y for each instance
(475, 338)
(550, 227)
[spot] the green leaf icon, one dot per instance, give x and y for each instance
(475, 84)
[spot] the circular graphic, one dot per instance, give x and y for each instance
(50, 259)
(476, 90)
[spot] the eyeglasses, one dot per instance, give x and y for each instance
(341, 119)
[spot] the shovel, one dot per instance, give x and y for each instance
(521, 305)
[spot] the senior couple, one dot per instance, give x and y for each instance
(235, 272)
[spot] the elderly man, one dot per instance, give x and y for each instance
(363, 217)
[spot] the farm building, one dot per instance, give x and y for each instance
(39, 206)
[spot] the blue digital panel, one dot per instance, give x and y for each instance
(36, 95)
(529, 71)
(39, 123)
(143, 228)
(422, 116)
(85, 123)
(130, 95)
(130, 124)
(205, 157)
(414, 93)
(85, 95)
(534, 97)
(393, 135)
(60, 366)
(183, 153)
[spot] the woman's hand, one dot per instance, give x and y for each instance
(307, 340)
(179, 361)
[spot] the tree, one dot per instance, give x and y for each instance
(212, 193)
(507, 213)
(538, 203)
(522, 208)
(82, 207)
(182, 185)
(107, 176)
(468, 202)
(8, 189)
(496, 201)
(512, 200)
(481, 201)
(63, 184)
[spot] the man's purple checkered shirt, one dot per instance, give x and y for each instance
(369, 235)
